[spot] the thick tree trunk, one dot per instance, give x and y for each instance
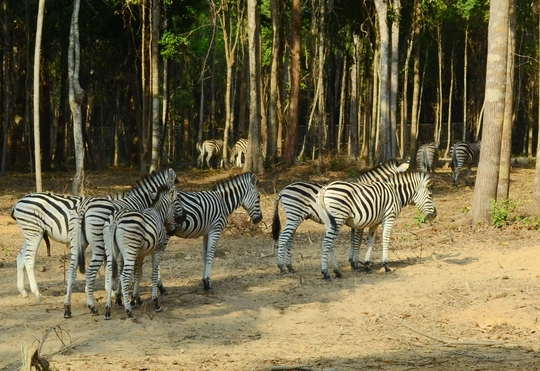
(416, 82)
(273, 104)
(6, 68)
(485, 190)
(37, 60)
(157, 128)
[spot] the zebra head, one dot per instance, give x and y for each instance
(169, 206)
(422, 196)
(241, 190)
(150, 184)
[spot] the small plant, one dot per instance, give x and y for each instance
(420, 219)
(353, 173)
(500, 212)
(529, 222)
(465, 210)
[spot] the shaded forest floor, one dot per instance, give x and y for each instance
(458, 298)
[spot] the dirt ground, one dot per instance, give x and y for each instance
(457, 299)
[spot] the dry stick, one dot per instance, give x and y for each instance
(286, 368)
(449, 342)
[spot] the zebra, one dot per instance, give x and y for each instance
(42, 215)
(368, 205)
(206, 213)
(461, 154)
(94, 212)
(208, 149)
(239, 149)
(427, 157)
(299, 201)
(138, 233)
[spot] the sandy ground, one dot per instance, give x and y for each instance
(458, 298)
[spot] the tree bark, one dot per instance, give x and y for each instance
(6, 67)
(485, 190)
(76, 95)
(157, 127)
(416, 82)
(37, 60)
(294, 96)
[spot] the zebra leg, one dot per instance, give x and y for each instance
(119, 294)
(327, 246)
(208, 157)
(71, 276)
(161, 288)
(124, 280)
(387, 227)
(20, 270)
(29, 258)
(91, 272)
(370, 243)
(209, 248)
(156, 259)
(335, 263)
(284, 246)
(356, 239)
(468, 174)
(137, 276)
(109, 289)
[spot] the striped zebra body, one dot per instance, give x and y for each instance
(368, 205)
(462, 154)
(42, 215)
(427, 157)
(207, 212)
(135, 234)
(95, 212)
(299, 202)
(239, 150)
(208, 149)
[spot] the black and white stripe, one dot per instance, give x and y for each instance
(239, 153)
(42, 215)
(207, 212)
(135, 234)
(462, 154)
(94, 212)
(427, 157)
(208, 149)
(299, 202)
(368, 205)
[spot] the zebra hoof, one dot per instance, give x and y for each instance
(107, 315)
(387, 268)
(291, 269)
(157, 307)
(207, 284)
(93, 310)
(130, 315)
(338, 273)
(162, 290)
(367, 268)
(136, 301)
(282, 270)
(67, 311)
(326, 276)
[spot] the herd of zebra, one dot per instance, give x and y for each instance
(213, 148)
(124, 229)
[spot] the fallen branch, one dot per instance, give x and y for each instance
(450, 342)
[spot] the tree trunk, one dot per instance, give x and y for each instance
(386, 151)
(450, 100)
(294, 97)
(535, 202)
(503, 187)
(465, 62)
(254, 161)
(273, 104)
(416, 82)
(76, 95)
(485, 190)
(37, 60)
(7, 67)
(157, 128)
(394, 75)
(353, 99)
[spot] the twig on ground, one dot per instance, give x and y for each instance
(450, 342)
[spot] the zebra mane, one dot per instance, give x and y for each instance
(239, 179)
(149, 179)
(162, 188)
(392, 162)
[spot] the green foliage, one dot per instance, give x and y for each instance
(170, 44)
(500, 212)
(420, 219)
(529, 222)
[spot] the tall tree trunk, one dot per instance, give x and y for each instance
(485, 190)
(503, 187)
(353, 99)
(416, 82)
(37, 60)
(465, 63)
(394, 75)
(405, 100)
(274, 106)
(386, 151)
(294, 96)
(254, 161)
(450, 100)
(76, 95)
(535, 203)
(145, 71)
(6, 67)
(157, 128)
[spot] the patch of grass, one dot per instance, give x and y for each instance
(500, 212)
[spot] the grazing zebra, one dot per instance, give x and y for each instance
(238, 150)
(461, 154)
(299, 201)
(368, 205)
(138, 233)
(40, 216)
(94, 212)
(427, 157)
(206, 213)
(208, 149)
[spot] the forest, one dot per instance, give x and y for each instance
(301, 80)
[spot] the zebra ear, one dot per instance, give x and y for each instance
(429, 182)
(173, 179)
(404, 166)
(172, 194)
(254, 179)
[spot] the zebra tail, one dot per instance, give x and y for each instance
(276, 223)
(326, 216)
(48, 243)
(79, 230)
(453, 160)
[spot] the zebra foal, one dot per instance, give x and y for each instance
(427, 157)
(299, 202)
(206, 213)
(462, 154)
(368, 205)
(238, 150)
(208, 149)
(135, 234)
